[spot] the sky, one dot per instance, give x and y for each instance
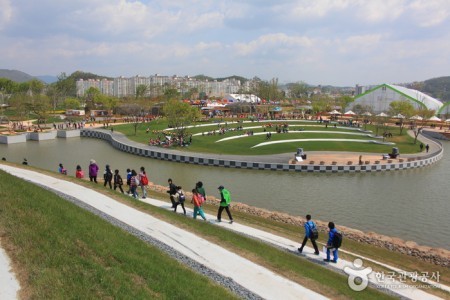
(336, 42)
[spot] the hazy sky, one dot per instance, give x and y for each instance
(339, 42)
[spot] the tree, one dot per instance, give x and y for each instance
(425, 114)
(141, 91)
(72, 103)
(298, 90)
(404, 108)
(179, 115)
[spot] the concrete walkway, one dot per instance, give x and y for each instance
(251, 276)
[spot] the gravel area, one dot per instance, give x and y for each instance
(192, 264)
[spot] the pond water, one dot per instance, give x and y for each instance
(410, 204)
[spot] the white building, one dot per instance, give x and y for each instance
(379, 98)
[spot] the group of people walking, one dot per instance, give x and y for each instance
(134, 180)
(333, 243)
(178, 197)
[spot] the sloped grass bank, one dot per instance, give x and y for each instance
(60, 251)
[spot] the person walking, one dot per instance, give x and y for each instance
(143, 182)
(310, 226)
(118, 182)
(330, 243)
(172, 192)
(180, 197)
(107, 176)
(200, 189)
(421, 147)
(225, 200)
(197, 200)
(129, 180)
(427, 147)
(79, 172)
(93, 171)
(134, 184)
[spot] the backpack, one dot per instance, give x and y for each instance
(313, 232)
(144, 179)
(337, 240)
(181, 198)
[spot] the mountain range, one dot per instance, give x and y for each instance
(19, 76)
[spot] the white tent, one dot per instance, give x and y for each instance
(416, 117)
(367, 114)
(334, 112)
(448, 120)
(382, 115)
(350, 113)
(399, 116)
(434, 118)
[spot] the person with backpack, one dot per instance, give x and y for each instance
(134, 182)
(200, 189)
(310, 233)
(197, 200)
(143, 182)
(118, 182)
(181, 197)
(334, 242)
(225, 200)
(107, 176)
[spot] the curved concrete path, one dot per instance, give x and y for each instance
(251, 276)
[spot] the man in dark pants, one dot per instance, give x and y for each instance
(172, 192)
(225, 200)
(309, 225)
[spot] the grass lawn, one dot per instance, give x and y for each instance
(243, 146)
(62, 251)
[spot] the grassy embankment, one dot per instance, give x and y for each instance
(207, 143)
(61, 251)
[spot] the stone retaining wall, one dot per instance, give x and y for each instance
(437, 256)
(160, 154)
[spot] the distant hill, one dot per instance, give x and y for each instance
(438, 88)
(15, 75)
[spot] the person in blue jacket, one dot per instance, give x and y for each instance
(330, 247)
(308, 235)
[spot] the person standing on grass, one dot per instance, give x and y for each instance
(118, 182)
(107, 176)
(134, 184)
(93, 171)
(330, 246)
(143, 182)
(172, 191)
(309, 226)
(225, 200)
(197, 200)
(180, 197)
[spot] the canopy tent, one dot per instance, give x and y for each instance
(334, 112)
(382, 115)
(448, 120)
(434, 118)
(349, 113)
(367, 114)
(399, 116)
(416, 117)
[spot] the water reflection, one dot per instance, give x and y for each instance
(411, 204)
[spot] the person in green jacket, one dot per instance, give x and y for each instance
(225, 200)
